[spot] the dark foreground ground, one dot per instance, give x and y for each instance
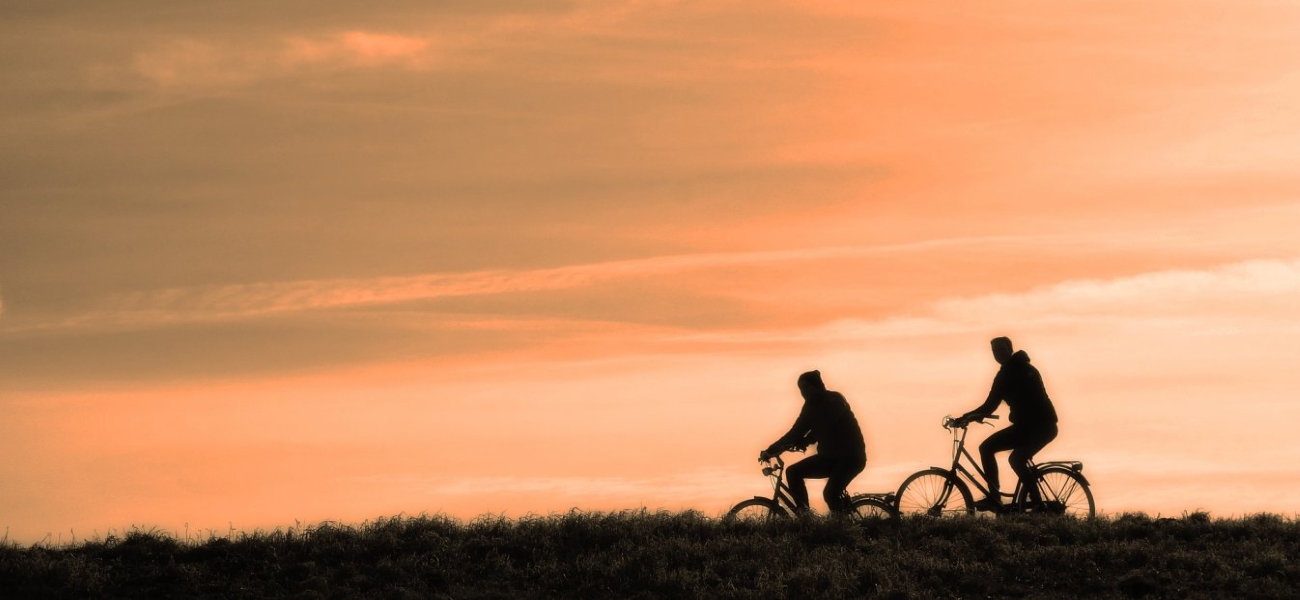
(684, 555)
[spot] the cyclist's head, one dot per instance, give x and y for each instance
(1001, 349)
(811, 382)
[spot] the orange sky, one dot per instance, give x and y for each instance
(266, 263)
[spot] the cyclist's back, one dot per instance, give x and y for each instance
(1021, 386)
(826, 420)
(830, 422)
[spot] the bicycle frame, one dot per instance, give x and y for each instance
(1053, 487)
(781, 493)
(959, 452)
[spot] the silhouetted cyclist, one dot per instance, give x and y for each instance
(826, 420)
(1033, 419)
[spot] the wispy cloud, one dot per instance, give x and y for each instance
(505, 39)
(361, 48)
(1248, 291)
(205, 63)
(1243, 291)
(1245, 287)
(190, 62)
(209, 303)
(195, 63)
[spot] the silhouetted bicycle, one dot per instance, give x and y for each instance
(1062, 489)
(781, 504)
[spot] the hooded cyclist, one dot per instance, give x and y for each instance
(1033, 419)
(826, 420)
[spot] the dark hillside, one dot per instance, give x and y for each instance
(686, 555)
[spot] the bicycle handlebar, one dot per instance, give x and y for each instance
(950, 421)
(775, 465)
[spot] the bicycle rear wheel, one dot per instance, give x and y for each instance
(871, 507)
(1063, 492)
(935, 493)
(757, 510)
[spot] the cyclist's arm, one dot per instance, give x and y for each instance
(795, 436)
(991, 404)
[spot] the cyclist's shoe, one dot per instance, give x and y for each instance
(989, 503)
(1046, 507)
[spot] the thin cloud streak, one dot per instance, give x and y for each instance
(1256, 290)
(1246, 286)
(190, 63)
(218, 303)
(361, 48)
(211, 63)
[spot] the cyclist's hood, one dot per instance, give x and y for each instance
(1019, 357)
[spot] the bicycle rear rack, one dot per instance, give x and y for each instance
(1072, 465)
(886, 496)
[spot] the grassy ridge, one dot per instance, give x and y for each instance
(684, 555)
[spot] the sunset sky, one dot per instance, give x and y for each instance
(274, 262)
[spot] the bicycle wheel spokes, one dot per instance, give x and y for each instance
(1064, 493)
(756, 510)
(934, 493)
(871, 508)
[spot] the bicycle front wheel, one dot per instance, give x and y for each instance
(870, 507)
(935, 493)
(1063, 492)
(757, 510)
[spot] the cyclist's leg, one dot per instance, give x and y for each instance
(1030, 443)
(841, 474)
(813, 467)
(1001, 441)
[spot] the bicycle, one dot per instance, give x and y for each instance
(782, 506)
(1061, 487)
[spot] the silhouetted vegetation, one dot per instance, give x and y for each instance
(683, 555)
